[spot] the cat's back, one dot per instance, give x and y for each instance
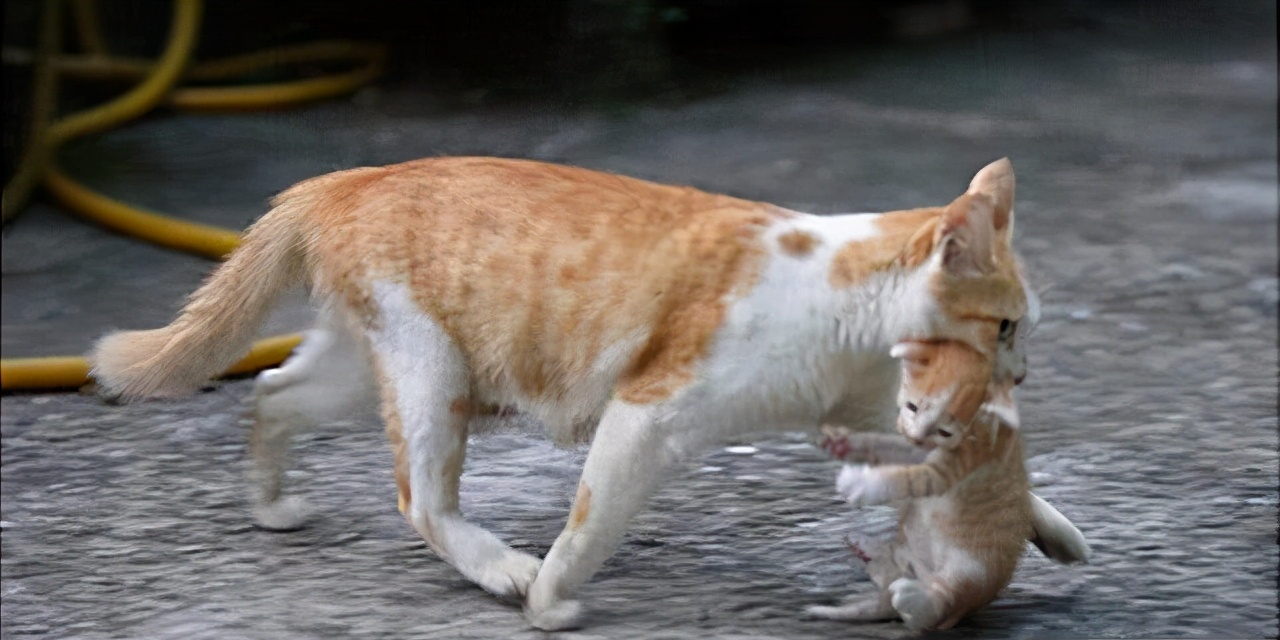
(545, 276)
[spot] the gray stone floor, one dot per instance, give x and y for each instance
(1146, 157)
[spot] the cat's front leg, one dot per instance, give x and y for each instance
(624, 466)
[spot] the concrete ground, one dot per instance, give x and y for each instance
(1146, 158)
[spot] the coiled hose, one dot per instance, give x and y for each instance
(158, 86)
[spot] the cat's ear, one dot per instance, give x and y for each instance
(966, 234)
(996, 181)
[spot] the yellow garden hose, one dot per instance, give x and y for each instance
(157, 86)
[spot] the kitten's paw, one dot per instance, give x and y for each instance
(560, 615)
(289, 513)
(859, 485)
(865, 609)
(511, 576)
(835, 441)
(914, 603)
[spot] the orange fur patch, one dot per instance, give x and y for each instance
(581, 506)
(900, 242)
(797, 243)
(935, 368)
(533, 269)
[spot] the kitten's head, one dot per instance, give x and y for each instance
(982, 306)
(944, 383)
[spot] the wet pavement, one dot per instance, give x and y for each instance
(1147, 204)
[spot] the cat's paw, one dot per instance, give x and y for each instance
(560, 615)
(511, 576)
(914, 603)
(859, 485)
(289, 513)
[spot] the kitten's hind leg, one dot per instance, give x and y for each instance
(325, 379)
(425, 388)
(1055, 536)
(859, 608)
(919, 606)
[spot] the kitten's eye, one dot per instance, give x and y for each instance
(911, 406)
(944, 433)
(1007, 327)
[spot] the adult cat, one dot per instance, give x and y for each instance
(645, 318)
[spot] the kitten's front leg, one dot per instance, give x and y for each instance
(861, 485)
(869, 448)
(865, 485)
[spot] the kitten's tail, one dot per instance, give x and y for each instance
(1055, 536)
(218, 324)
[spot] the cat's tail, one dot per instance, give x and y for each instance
(1055, 536)
(220, 320)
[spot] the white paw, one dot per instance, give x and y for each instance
(913, 603)
(823, 611)
(286, 514)
(858, 484)
(560, 615)
(511, 576)
(865, 609)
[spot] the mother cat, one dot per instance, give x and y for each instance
(648, 319)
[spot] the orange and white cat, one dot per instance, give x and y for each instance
(967, 513)
(649, 320)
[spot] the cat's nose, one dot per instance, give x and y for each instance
(1020, 378)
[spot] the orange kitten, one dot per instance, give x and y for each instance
(967, 513)
(647, 319)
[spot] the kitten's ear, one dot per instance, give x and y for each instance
(965, 235)
(996, 181)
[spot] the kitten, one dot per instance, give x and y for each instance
(966, 514)
(647, 319)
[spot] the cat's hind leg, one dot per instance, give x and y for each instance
(425, 387)
(325, 379)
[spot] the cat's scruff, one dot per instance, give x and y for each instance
(966, 515)
(647, 319)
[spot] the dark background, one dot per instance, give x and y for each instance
(1143, 134)
(565, 53)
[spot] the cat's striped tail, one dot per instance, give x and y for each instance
(218, 324)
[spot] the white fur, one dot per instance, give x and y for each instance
(428, 373)
(326, 378)
(861, 485)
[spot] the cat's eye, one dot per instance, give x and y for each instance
(1007, 327)
(911, 406)
(944, 433)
